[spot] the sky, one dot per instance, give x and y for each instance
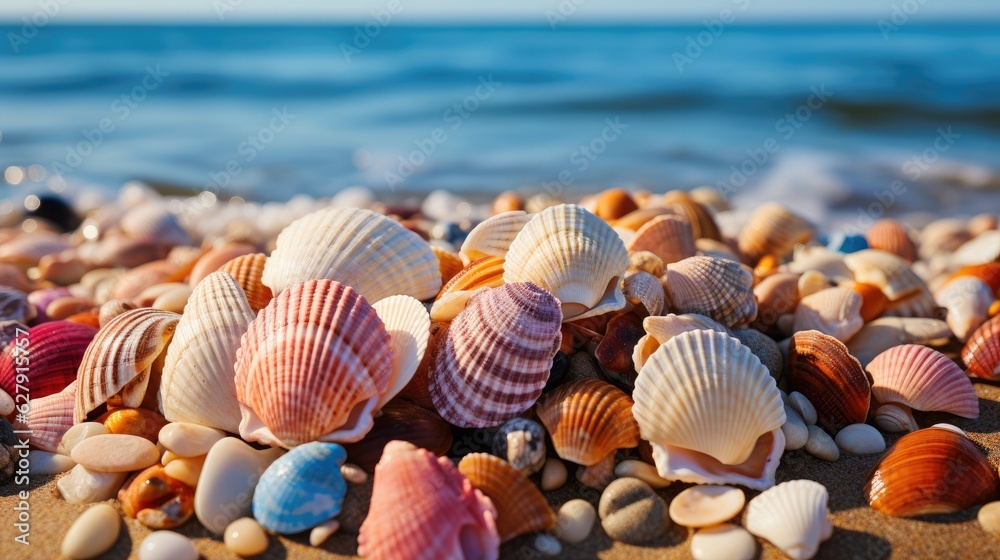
(525, 11)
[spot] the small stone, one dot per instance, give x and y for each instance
(795, 430)
(168, 456)
(632, 513)
(245, 537)
(353, 473)
(860, 439)
(707, 505)
(641, 470)
(989, 518)
(765, 348)
(821, 445)
(115, 453)
(43, 462)
(581, 366)
(554, 474)
(805, 408)
(731, 542)
(521, 442)
(320, 533)
(84, 486)
(186, 469)
(189, 440)
(6, 404)
(812, 281)
(167, 545)
(575, 520)
(93, 533)
(78, 433)
(228, 478)
(548, 545)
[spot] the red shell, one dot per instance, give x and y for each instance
(50, 357)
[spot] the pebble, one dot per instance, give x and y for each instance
(167, 545)
(765, 348)
(84, 486)
(805, 408)
(6, 404)
(548, 545)
(116, 453)
(641, 470)
(731, 542)
(632, 513)
(554, 474)
(795, 430)
(168, 456)
(228, 478)
(704, 506)
(353, 473)
(186, 469)
(245, 537)
(821, 445)
(320, 533)
(134, 421)
(189, 440)
(861, 439)
(43, 462)
(989, 518)
(78, 433)
(93, 533)
(521, 442)
(575, 520)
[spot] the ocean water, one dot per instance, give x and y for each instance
(832, 118)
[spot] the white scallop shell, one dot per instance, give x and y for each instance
(889, 272)
(493, 236)
(409, 327)
(968, 301)
(833, 311)
(792, 516)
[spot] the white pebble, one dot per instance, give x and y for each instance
(989, 518)
(186, 469)
(805, 408)
(548, 545)
(323, 531)
(554, 474)
(78, 433)
(93, 533)
(575, 520)
(821, 445)
(167, 545)
(43, 462)
(723, 541)
(245, 537)
(353, 473)
(861, 439)
(116, 453)
(795, 430)
(641, 470)
(189, 440)
(84, 486)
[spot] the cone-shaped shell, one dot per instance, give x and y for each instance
(521, 507)
(981, 353)
(574, 255)
(449, 264)
(885, 332)
(924, 379)
(53, 352)
(493, 236)
(660, 329)
(702, 223)
(706, 392)
(486, 272)
(198, 376)
(247, 270)
(669, 237)
(968, 300)
(122, 359)
(403, 421)
(423, 508)
(588, 420)
(496, 356)
(772, 229)
(359, 248)
(312, 366)
(792, 516)
(301, 489)
(14, 305)
(821, 368)
(890, 273)
(409, 328)
(717, 288)
(891, 236)
(833, 311)
(49, 418)
(934, 470)
(646, 289)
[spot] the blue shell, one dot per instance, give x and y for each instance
(301, 489)
(847, 243)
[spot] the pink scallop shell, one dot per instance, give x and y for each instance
(924, 379)
(50, 356)
(49, 418)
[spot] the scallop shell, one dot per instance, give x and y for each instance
(409, 328)
(660, 329)
(793, 516)
(401, 420)
(669, 237)
(14, 306)
(717, 288)
(772, 229)
(983, 248)
(123, 358)
(359, 248)
(301, 489)
(217, 257)
(521, 507)
(247, 270)
(486, 272)
(423, 508)
(496, 356)
(919, 304)
(686, 465)
(821, 368)
(48, 355)
(646, 289)
(895, 418)
(49, 418)
(493, 236)
(574, 255)
(891, 236)
(833, 311)
(953, 475)
(449, 264)
(702, 223)
(198, 376)
(981, 353)
(588, 420)
(887, 271)
(924, 379)
(777, 295)
(312, 365)
(968, 300)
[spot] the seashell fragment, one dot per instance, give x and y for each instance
(833, 311)
(669, 237)
(887, 271)
(521, 508)
(968, 301)
(981, 353)
(645, 289)
(821, 368)
(248, 270)
(772, 229)
(301, 489)
(717, 288)
(792, 516)
(493, 236)
(923, 379)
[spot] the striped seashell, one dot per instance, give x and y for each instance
(891, 236)
(777, 295)
(449, 264)
(968, 300)
(661, 329)
(981, 249)
(247, 270)
(48, 354)
(887, 271)
(217, 257)
(702, 222)
(923, 379)
(133, 282)
(981, 353)
(408, 324)
(493, 236)
(574, 255)
(821, 368)
(894, 418)
(833, 311)
(418, 390)
(14, 306)
(885, 332)
(312, 366)
(717, 288)
(113, 308)
(301, 489)
(772, 229)
(401, 420)
(612, 204)
(793, 516)
(152, 221)
(486, 272)
(496, 356)
(373, 254)
(197, 384)
(423, 508)
(637, 218)
(49, 418)
(645, 289)
(125, 355)
(521, 507)
(669, 237)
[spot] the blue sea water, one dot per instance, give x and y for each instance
(827, 116)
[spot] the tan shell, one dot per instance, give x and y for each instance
(661, 329)
(772, 229)
(486, 272)
(521, 507)
(493, 236)
(717, 288)
(777, 295)
(669, 237)
(833, 311)
(612, 204)
(644, 288)
(887, 271)
(588, 420)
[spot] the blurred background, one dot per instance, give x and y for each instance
(830, 107)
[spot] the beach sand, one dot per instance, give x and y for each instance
(860, 532)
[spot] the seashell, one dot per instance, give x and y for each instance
(793, 516)
(710, 197)
(449, 264)
(766, 266)
(613, 204)
(701, 219)
(408, 325)
(819, 259)
(217, 257)
(507, 201)
(706, 506)
(615, 351)
(123, 358)
(574, 255)
(873, 301)
(920, 304)
(417, 390)
(895, 418)
(953, 475)
(312, 365)
(13, 277)
(981, 353)
(923, 379)
(885, 332)
(486, 371)
(777, 295)
(14, 306)
(520, 506)
(247, 270)
(968, 301)
(403, 421)
(486, 272)
(821, 369)
(373, 254)
(988, 273)
(493, 236)
(49, 418)
(301, 489)
(44, 358)
(133, 421)
(833, 311)
(717, 288)
(227, 481)
(156, 500)
(891, 236)
(423, 508)
(121, 251)
(62, 269)
(26, 250)
(983, 248)
(644, 288)
(669, 237)
(41, 299)
(637, 218)
(982, 222)
(521, 442)
(151, 221)
(646, 261)
(772, 229)
(173, 299)
(112, 309)
(66, 307)
(660, 329)
(133, 282)
(943, 235)
(887, 271)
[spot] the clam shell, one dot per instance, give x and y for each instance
(493, 236)
(792, 516)
(409, 328)
(449, 264)
(247, 270)
(968, 300)
(14, 305)
(981, 353)
(833, 311)
(401, 420)
(646, 289)
(48, 355)
(919, 304)
(359, 248)
(702, 223)
(49, 418)
(887, 271)
(982, 248)
(496, 356)
(891, 236)
(521, 507)
(777, 295)
(934, 470)
(885, 332)
(717, 288)
(301, 489)
(588, 420)
(486, 272)
(660, 329)
(772, 229)
(669, 237)
(821, 368)
(924, 379)
(312, 365)
(574, 255)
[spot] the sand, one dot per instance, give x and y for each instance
(860, 532)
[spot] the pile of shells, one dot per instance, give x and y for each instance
(251, 375)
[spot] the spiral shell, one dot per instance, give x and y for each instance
(924, 379)
(792, 516)
(772, 229)
(521, 508)
(981, 353)
(493, 236)
(588, 420)
(833, 311)
(824, 371)
(669, 237)
(717, 288)
(48, 355)
(891, 236)
(486, 272)
(247, 270)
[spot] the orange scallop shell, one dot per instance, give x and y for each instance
(702, 222)
(449, 263)
(588, 420)
(821, 368)
(772, 229)
(981, 353)
(521, 507)
(247, 270)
